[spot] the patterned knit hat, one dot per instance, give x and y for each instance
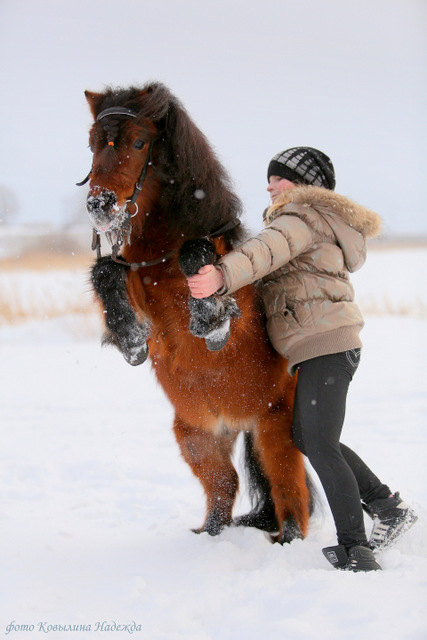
(303, 165)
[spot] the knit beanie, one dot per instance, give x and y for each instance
(303, 165)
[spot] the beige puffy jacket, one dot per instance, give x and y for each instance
(313, 239)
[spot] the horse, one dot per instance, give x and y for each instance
(165, 203)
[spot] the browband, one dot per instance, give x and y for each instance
(117, 111)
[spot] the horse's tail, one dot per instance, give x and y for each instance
(262, 514)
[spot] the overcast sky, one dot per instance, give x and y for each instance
(257, 76)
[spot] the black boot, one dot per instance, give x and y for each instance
(355, 558)
(392, 517)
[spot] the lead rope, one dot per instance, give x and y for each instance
(96, 243)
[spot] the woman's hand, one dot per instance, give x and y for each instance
(206, 282)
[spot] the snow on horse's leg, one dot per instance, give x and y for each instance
(209, 317)
(123, 329)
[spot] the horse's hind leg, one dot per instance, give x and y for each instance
(209, 459)
(284, 466)
(123, 329)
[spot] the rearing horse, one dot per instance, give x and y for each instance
(166, 205)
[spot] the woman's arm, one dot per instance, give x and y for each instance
(285, 237)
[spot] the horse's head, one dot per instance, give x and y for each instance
(121, 139)
(149, 157)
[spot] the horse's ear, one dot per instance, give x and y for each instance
(94, 100)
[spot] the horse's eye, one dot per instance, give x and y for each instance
(139, 144)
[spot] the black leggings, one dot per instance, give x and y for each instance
(318, 419)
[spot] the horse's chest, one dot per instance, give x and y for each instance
(212, 399)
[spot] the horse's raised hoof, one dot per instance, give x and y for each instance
(134, 350)
(214, 524)
(210, 319)
(218, 338)
(289, 531)
(135, 356)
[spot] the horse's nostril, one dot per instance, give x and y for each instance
(102, 203)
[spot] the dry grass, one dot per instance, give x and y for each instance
(386, 243)
(45, 285)
(49, 310)
(48, 261)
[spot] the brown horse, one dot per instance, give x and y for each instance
(166, 206)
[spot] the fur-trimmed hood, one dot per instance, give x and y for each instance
(350, 223)
(367, 222)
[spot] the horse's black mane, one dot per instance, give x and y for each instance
(197, 195)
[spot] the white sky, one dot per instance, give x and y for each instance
(257, 77)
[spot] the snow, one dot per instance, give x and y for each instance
(393, 281)
(97, 505)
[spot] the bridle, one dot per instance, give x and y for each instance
(115, 248)
(111, 111)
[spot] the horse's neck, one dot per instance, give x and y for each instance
(150, 238)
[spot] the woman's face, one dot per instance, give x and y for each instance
(277, 185)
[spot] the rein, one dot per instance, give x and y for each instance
(115, 248)
(150, 263)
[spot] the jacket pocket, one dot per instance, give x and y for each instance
(281, 329)
(273, 296)
(291, 321)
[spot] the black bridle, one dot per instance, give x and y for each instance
(115, 248)
(111, 111)
(123, 111)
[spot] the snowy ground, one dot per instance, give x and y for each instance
(97, 505)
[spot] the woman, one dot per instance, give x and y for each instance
(312, 240)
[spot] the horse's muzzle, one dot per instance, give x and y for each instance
(102, 209)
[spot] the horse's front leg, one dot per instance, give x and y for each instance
(209, 459)
(123, 329)
(209, 317)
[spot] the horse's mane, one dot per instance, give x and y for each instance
(197, 196)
